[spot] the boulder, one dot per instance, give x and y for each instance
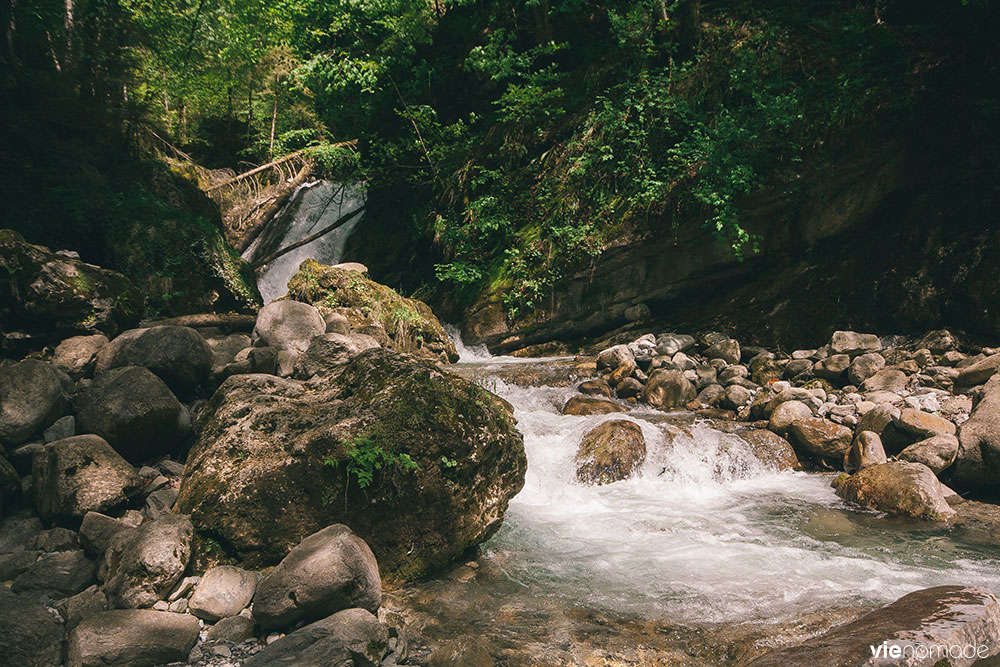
(135, 412)
(337, 323)
(832, 368)
(10, 482)
(591, 405)
(668, 389)
(736, 397)
(144, 563)
(936, 452)
(96, 532)
(177, 355)
(820, 437)
(407, 325)
(922, 424)
(864, 366)
(49, 296)
(30, 636)
(887, 379)
(76, 356)
(303, 448)
(898, 487)
(916, 630)
(877, 418)
(614, 357)
(865, 451)
(792, 394)
(610, 452)
(853, 344)
(349, 637)
(83, 605)
(328, 352)
(327, 572)
(33, 394)
(978, 372)
(670, 344)
(57, 575)
(81, 474)
(222, 592)
(235, 629)
(132, 638)
(728, 350)
(764, 369)
(770, 448)
(288, 325)
(225, 348)
(977, 465)
(786, 414)
(595, 388)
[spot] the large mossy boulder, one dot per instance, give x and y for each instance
(46, 296)
(408, 325)
(421, 464)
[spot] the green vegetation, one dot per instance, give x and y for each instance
(363, 457)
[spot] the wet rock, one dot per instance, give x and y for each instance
(936, 452)
(235, 629)
(787, 413)
(81, 474)
(349, 635)
(898, 487)
(770, 448)
(833, 367)
(595, 388)
(58, 575)
(977, 465)
(463, 652)
(328, 352)
(887, 379)
(864, 366)
(144, 563)
(865, 451)
(667, 389)
(922, 424)
(820, 437)
(469, 462)
(135, 412)
(853, 344)
(611, 452)
(710, 394)
(591, 405)
(76, 356)
(327, 572)
(223, 591)
(288, 325)
(945, 616)
(132, 638)
(32, 396)
(728, 350)
(30, 635)
(177, 355)
(979, 372)
(82, 606)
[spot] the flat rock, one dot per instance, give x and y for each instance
(132, 638)
(887, 379)
(336, 640)
(979, 372)
(58, 575)
(591, 405)
(852, 343)
(898, 487)
(923, 424)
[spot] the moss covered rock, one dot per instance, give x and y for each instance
(421, 464)
(402, 324)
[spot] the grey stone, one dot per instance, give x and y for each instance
(670, 344)
(59, 575)
(96, 532)
(786, 414)
(337, 323)
(81, 606)
(76, 356)
(56, 539)
(936, 452)
(330, 570)
(29, 635)
(64, 427)
(833, 367)
(979, 372)
(145, 563)
(17, 532)
(235, 629)
(32, 396)
(864, 366)
(350, 634)
(288, 325)
(728, 350)
(13, 564)
(851, 343)
(132, 638)
(224, 349)
(160, 502)
(328, 352)
(223, 591)
(177, 355)
(977, 465)
(613, 357)
(10, 482)
(887, 379)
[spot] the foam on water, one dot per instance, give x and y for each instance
(705, 532)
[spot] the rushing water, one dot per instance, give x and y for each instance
(311, 208)
(705, 533)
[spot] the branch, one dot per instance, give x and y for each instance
(343, 220)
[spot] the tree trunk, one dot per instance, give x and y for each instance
(68, 25)
(688, 28)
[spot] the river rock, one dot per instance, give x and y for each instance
(728, 350)
(853, 344)
(898, 487)
(736, 397)
(288, 325)
(792, 394)
(96, 532)
(223, 591)
(671, 344)
(57, 575)
(888, 380)
(820, 437)
(977, 465)
(30, 636)
(832, 368)
(33, 394)
(935, 617)
(667, 389)
(613, 357)
(936, 452)
(979, 372)
(595, 388)
(864, 366)
(866, 450)
(922, 424)
(327, 572)
(328, 352)
(610, 452)
(263, 503)
(591, 405)
(81, 606)
(81, 474)
(144, 563)
(764, 369)
(235, 629)
(135, 412)
(177, 355)
(785, 414)
(132, 638)
(349, 637)
(76, 356)
(770, 448)
(225, 348)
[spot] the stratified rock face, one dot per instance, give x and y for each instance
(134, 411)
(898, 487)
(977, 465)
(327, 572)
(404, 325)
(30, 636)
(132, 638)
(610, 452)
(278, 459)
(50, 296)
(349, 637)
(81, 474)
(932, 619)
(32, 396)
(177, 355)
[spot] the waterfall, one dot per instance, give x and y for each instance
(311, 208)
